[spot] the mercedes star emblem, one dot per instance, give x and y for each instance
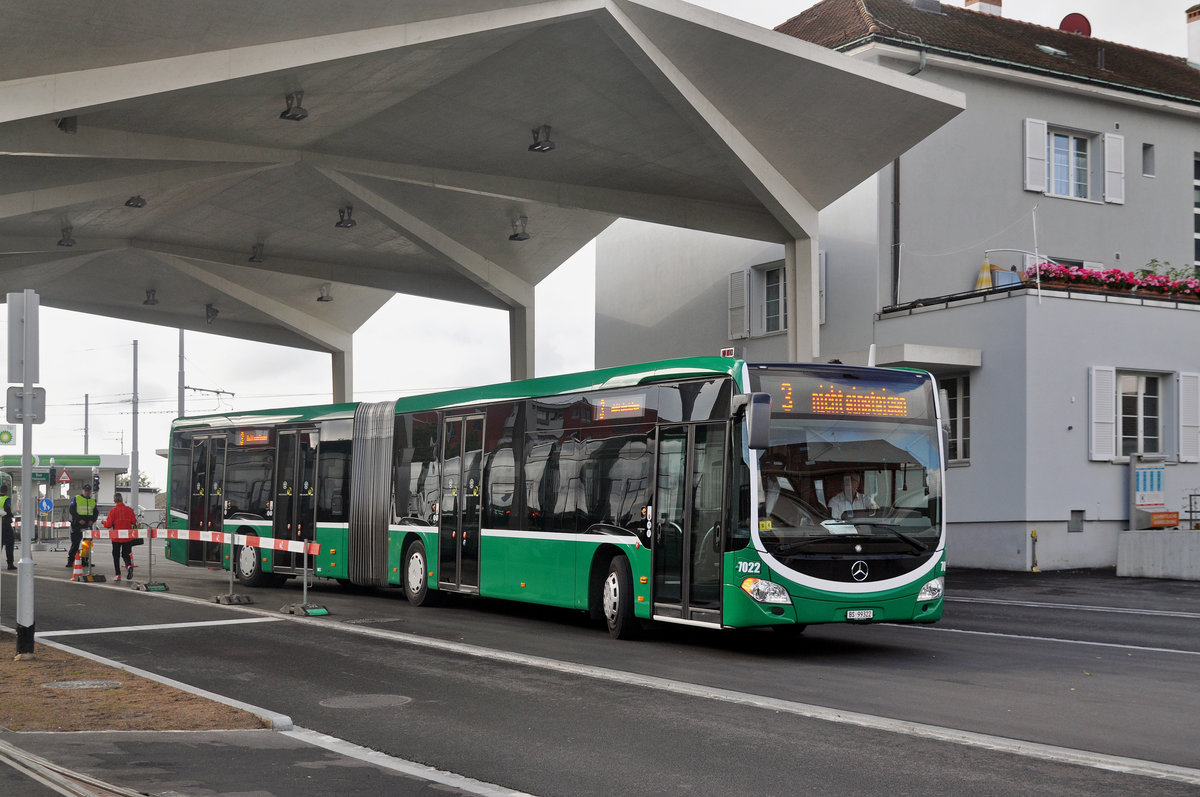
(859, 571)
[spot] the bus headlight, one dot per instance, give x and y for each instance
(932, 589)
(765, 591)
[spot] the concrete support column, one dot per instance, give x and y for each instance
(520, 341)
(801, 266)
(343, 375)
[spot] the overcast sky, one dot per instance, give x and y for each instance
(408, 346)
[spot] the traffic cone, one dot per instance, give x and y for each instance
(77, 573)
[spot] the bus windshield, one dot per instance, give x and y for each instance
(853, 459)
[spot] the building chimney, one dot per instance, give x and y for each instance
(987, 7)
(1193, 29)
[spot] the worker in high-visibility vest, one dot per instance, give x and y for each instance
(83, 516)
(6, 524)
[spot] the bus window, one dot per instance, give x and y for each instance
(501, 495)
(415, 468)
(333, 480)
(181, 471)
(248, 474)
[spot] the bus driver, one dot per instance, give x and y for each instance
(850, 498)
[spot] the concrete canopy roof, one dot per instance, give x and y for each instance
(420, 118)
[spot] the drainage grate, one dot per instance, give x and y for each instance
(82, 684)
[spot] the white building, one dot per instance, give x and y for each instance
(1071, 148)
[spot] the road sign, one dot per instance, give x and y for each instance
(64, 477)
(40, 474)
(20, 405)
(45, 505)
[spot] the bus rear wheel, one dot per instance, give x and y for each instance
(616, 600)
(416, 585)
(247, 566)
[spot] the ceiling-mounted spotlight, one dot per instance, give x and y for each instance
(151, 298)
(66, 239)
(294, 113)
(210, 313)
(256, 255)
(344, 221)
(135, 202)
(326, 293)
(67, 124)
(519, 233)
(541, 139)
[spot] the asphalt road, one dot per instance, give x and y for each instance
(1050, 683)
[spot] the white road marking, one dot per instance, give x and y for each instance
(1078, 607)
(118, 629)
(351, 750)
(1059, 640)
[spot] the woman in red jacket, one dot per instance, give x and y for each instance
(121, 518)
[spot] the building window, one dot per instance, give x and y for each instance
(774, 301)
(1067, 165)
(1140, 406)
(1143, 413)
(1147, 160)
(958, 414)
(1196, 212)
(1075, 164)
(758, 301)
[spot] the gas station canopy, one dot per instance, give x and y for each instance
(278, 170)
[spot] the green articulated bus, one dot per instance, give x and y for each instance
(706, 491)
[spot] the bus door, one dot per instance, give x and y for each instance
(687, 542)
(461, 504)
(294, 510)
(206, 507)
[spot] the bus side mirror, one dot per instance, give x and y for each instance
(757, 407)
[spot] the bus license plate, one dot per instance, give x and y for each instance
(860, 614)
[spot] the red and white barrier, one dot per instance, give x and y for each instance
(251, 540)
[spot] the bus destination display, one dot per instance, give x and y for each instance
(611, 408)
(810, 395)
(254, 437)
(832, 400)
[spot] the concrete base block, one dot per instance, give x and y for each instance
(1159, 554)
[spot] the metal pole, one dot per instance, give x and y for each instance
(85, 424)
(25, 616)
(181, 382)
(134, 475)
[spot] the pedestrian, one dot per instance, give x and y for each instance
(121, 518)
(6, 525)
(83, 516)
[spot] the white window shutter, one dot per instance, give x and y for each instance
(1114, 168)
(1189, 417)
(1102, 402)
(739, 305)
(1035, 155)
(821, 284)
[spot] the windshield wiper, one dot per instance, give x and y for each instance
(792, 547)
(913, 541)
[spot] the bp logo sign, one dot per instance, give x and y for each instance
(6, 436)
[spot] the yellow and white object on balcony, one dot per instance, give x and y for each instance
(984, 281)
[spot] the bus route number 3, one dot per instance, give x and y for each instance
(749, 567)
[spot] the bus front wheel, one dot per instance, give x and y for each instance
(416, 586)
(616, 598)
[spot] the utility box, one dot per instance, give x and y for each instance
(1147, 496)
